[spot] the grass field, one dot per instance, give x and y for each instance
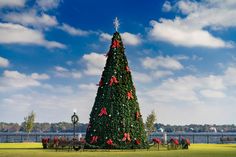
(196, 150)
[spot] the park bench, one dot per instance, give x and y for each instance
(228, 140)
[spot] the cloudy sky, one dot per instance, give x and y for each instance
(182, 56)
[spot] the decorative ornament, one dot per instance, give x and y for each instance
(100, 83)
(127, 69)
(94, 139)
(109, 115)
(126, 137)
(130, 95)
(103, 111)
(137, 115)
(115, 44)
(116, 24)
(110, 142)
(137, 142)
(113, 80)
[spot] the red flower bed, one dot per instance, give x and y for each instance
(45, 140)
(187, 141)
(174, 141)
(156, 140)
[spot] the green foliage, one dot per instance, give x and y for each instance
(151, 118)
(116, 94)
(29, 122)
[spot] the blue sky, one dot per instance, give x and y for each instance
(182, 56)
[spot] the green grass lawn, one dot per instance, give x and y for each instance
(196, 150)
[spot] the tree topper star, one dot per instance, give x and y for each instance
(116, 24)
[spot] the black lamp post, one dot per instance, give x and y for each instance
(74, 119)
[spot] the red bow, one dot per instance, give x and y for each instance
(113, 80)
(100, 83)
(127, 69)
(109, 142)
(130, 95)
(137, 142)
(126, 137)
(103, 111)
(115, 44)
(94, 139)
(137, 115)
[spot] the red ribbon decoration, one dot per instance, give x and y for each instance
(130, 95)
(126, 137)
(115, 44)
(110, 142)
(137, 115)
(103, 111)
(127, 69)
(100, 83)
(94, 139)
(113, 80)
(137, 142)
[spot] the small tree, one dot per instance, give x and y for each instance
(151, 118)
(29, 122)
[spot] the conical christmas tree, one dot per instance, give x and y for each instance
(115, 120)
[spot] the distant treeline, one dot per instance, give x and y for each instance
(68, 127)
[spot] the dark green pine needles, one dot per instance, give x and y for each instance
(115, 119)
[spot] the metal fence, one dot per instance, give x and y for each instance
(194, 137)
(207, 137)
(33, 137)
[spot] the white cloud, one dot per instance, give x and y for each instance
(15, 80)
(187, 7)
(128, 38)
(66, 73)
(31, 18)
(212, 94)
(89, 86)
(12, 3)
(4, 62)
(17, 34)
(161, 73)
(193, 95)
(172, 32)
(94, 63)
(229, 76)
(190, 31)
(48, 4)
(74, 31)
(60, 69)
(37, 76)
(141, 77)
(166, 6)
(105, 37)
(162, 62)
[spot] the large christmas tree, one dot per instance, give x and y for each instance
(115, 119)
